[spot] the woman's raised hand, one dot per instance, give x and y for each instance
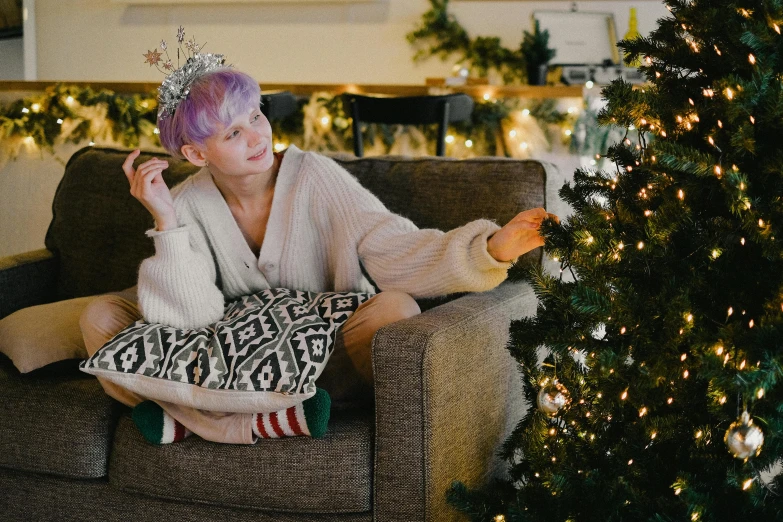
(147, 185)
(518, 236)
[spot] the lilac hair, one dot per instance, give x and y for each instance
(214, 101)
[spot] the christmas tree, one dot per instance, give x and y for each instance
(654, 365)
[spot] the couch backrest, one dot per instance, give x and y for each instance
(97, 229)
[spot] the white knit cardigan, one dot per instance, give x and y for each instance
(321, 226)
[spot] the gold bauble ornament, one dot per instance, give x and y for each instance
(743, 438)
(553, 397)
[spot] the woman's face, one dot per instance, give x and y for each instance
(243, 148)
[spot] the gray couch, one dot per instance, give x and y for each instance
(446, 391)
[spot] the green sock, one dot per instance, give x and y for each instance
(157, 426)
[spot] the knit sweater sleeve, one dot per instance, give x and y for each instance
(177, 284)
(400, 256)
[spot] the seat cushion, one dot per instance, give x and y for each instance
(57, 422)
(301, 474)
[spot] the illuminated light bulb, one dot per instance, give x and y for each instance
(715, 254)
(449, 139)
(716, 49)
(609, 417)
(622, 330)
(677, 491)
(746, 485)
(554, 459)
(729, 93)
(747, 205)
(499, 518)
(663, 133)
(36, 107)
(630, 462)
(718, 170)
(620, 245)
(537, 475)
(709, 93)
(629, 168)
(695, 517)
(669, 400)
(60, 121)
(761, 222)
(751, 323)
(25, 110)
(679, 119)
(589, 84)
(156, 130)
(681, 194)
(690, 100)
(683, 356)
(486, 96)
(689, 318)
(742, 185)
(722, 400)
(726, 359)
(752, 120)
(699, 434)
(688, 125)
(600, 395)
(648, 60)
(592, 436)
(526, 112)
(523, 145)
(657, 74)
(643, 412)
(624, 395)
(653, 435)
(647, 213)
(776, 28)
(279, 146)
(92, 144)
(760, 393)
(69, 100)
(468, 143)
(720, 124)
(512, 134)
(571, 110)
(552, 431)
(685, 374)
(712, 142)
(742, 365)
(752, 59)
(640, 245)
(642, 122)
(325, 121)
(567, 132)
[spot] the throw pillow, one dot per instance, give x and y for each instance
(263, 356)
(40, 335)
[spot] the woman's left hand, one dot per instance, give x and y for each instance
(518, 236)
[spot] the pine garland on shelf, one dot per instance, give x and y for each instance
(440, 34)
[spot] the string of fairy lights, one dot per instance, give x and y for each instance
(744, 439)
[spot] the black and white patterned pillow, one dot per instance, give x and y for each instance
(263, 356)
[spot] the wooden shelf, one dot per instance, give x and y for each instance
(306, 89)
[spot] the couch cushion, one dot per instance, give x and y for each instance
(328, 475)
(446, 193)
(57, 422)
(97, 227)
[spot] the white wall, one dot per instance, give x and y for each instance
(12, 59)
(280, 42)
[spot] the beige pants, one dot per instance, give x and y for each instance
(347, 377)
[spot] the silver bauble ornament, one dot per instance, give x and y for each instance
(552, 398)
(743, 438)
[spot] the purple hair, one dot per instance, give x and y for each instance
(215, 98)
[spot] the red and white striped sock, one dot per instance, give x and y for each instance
(309, 418)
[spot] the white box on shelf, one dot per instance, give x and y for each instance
(580, 38)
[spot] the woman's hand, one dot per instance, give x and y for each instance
(147, 185)
(518, 236)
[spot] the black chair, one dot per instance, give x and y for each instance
(278, 105)
(407, 110)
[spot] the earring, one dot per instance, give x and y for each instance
(206, 163)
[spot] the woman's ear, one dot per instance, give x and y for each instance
(194, 155)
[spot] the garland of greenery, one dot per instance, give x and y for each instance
(444, 37)
(74, 114)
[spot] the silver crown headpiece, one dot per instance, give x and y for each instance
(176, 86)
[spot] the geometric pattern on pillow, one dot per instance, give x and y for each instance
(273, 344)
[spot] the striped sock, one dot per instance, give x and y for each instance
(308, 418)
(157, 426)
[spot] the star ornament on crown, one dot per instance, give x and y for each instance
(176, 85)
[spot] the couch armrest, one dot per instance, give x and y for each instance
(447, 393)
(27, 279)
